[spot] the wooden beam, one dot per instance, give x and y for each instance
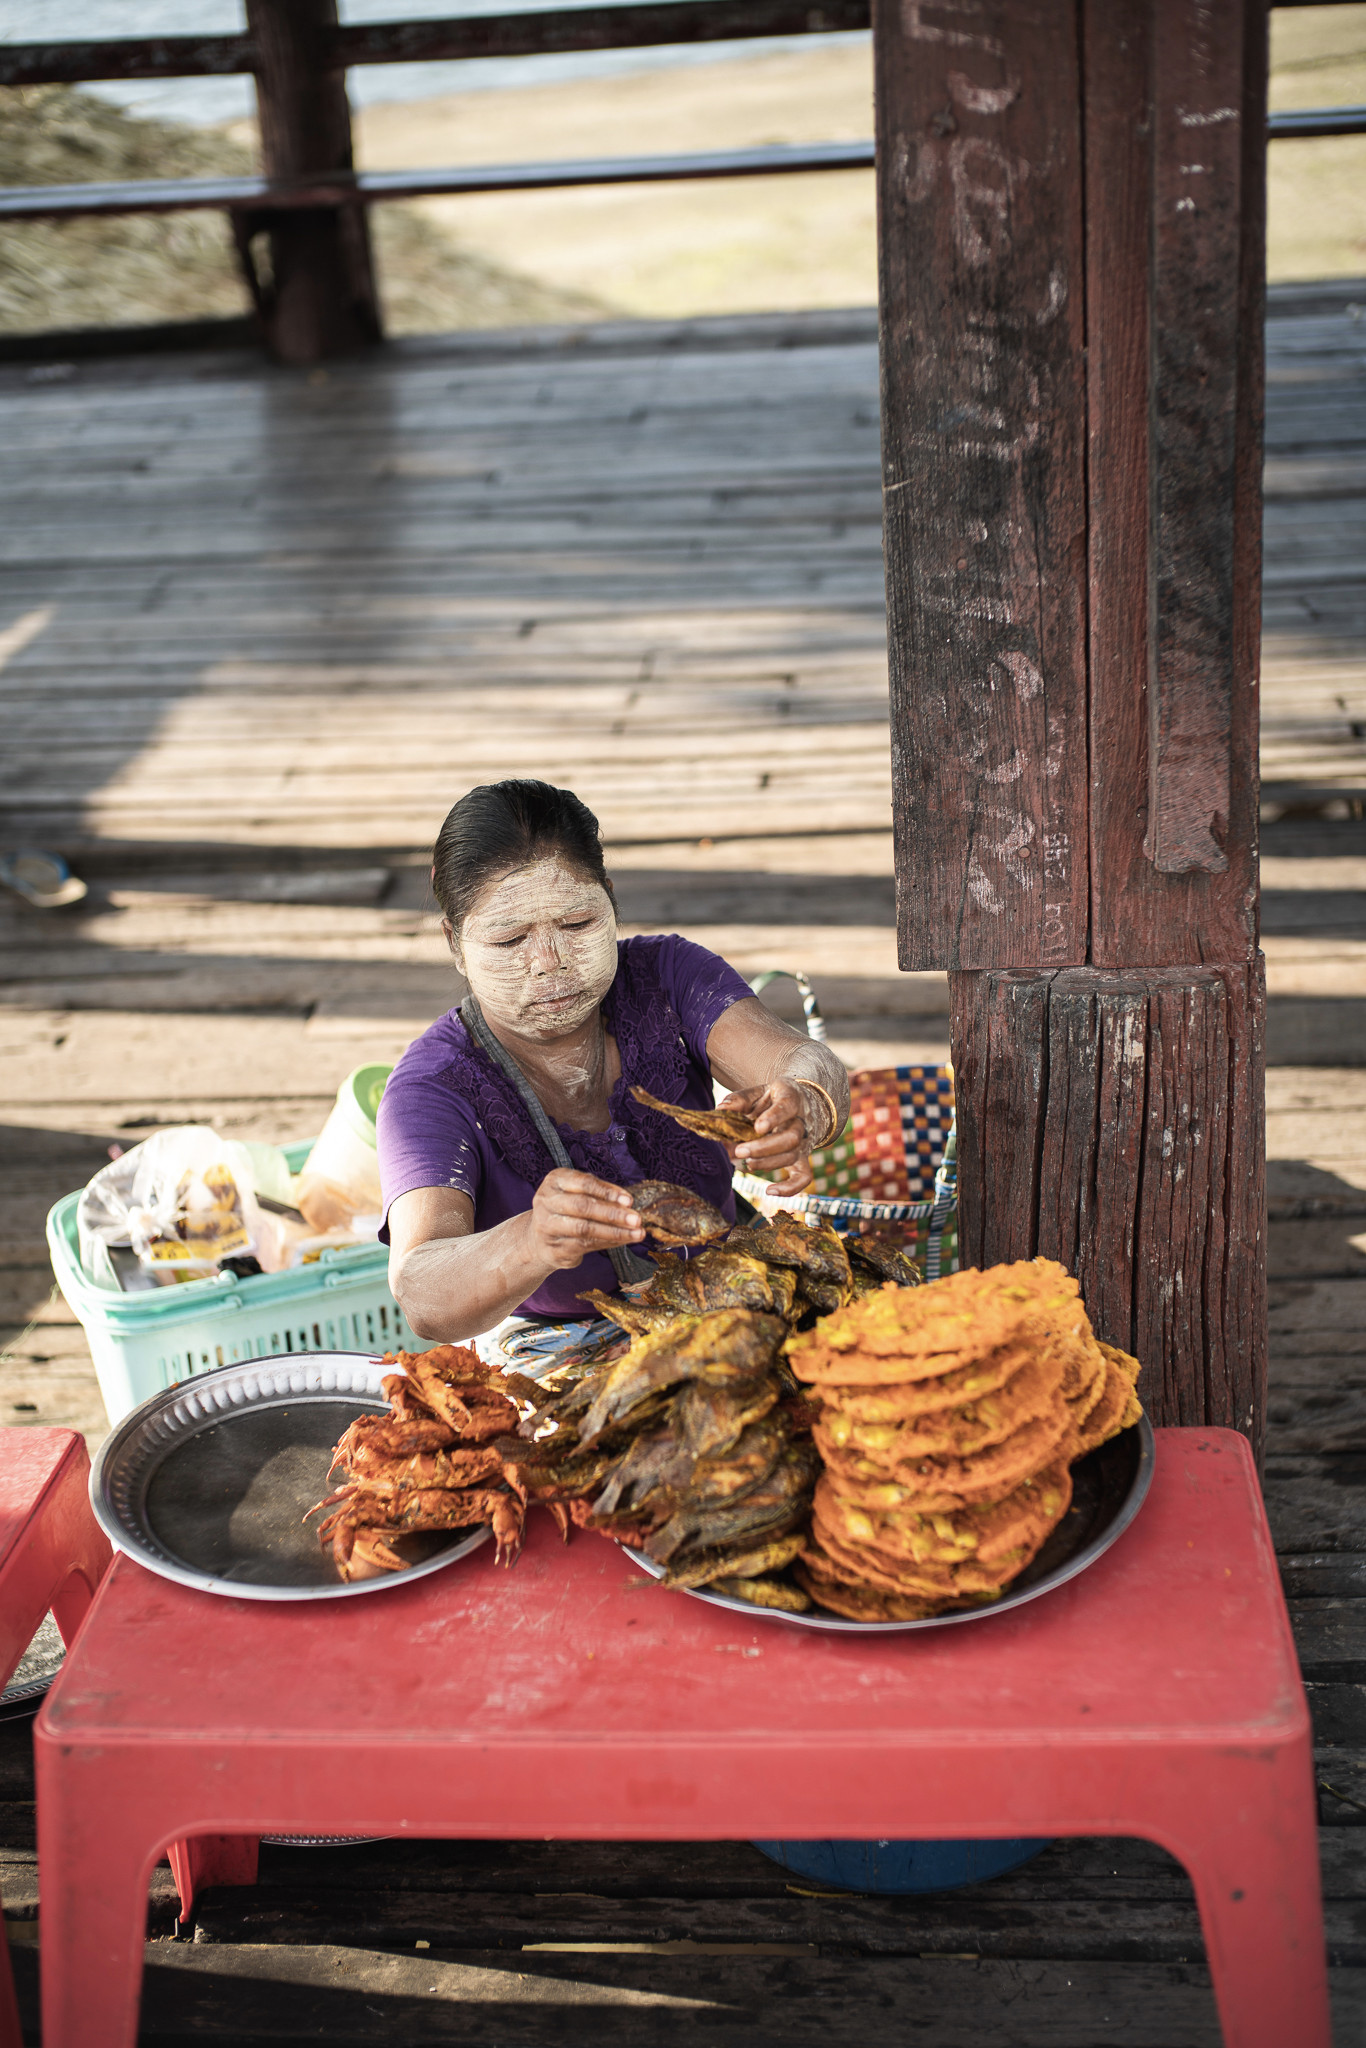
(594, 28)
(1175, 219)
(73, 63)
(1072, 363)
(320, 299)
(407, 42)
(982, 292)
(344, 188)
(1102, 1122)
(511, 35)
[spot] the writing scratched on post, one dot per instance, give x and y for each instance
(984, 485)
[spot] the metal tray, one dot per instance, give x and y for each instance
(1108, 1489)
(208, 1482)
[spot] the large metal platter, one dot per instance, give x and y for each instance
(208, 1482)
(1108, 1489)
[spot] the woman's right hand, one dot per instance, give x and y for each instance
(573, 1214)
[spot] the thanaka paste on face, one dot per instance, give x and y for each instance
(530, 970)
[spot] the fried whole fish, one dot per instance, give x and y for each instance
(783, 1285)
(823, 1296)
(726, 1126)
(770, 1508)
(674, 1215)
(787, 1241)
(658, 1475)
(865, 1283)
(880, 1256)
(656, 1461)
(630, 1313)
(753, 1556)
(815, 1252)
(728, 1475)
(707, 1418)
(762, 1592)
(723, 1348)
(715, 1279)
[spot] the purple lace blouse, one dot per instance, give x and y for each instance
(449, 1118)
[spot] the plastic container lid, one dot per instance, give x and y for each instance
(358, 1101)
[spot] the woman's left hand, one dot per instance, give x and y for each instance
(780, 1113)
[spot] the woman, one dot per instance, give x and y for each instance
(480, 1220)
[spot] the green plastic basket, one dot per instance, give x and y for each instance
(141, 1343)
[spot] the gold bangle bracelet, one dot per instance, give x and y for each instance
(829, 1101)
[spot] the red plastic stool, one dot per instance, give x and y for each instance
(204, 1860)
(1156, 1695)
(52, 1556)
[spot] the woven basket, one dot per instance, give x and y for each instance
(893, 1166)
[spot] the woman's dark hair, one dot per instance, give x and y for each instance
(506, 825)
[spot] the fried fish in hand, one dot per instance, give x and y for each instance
(726, 1126)
(674, 1215)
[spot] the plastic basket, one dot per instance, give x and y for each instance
(141, 1343)
(895, 1161)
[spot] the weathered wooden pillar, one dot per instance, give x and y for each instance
(320, 297)
(1071, 237)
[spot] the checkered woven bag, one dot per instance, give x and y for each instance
(893, 1167)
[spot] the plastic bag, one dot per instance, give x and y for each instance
(184, 1200)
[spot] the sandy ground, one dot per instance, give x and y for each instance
(745, 245)
(1316, 191)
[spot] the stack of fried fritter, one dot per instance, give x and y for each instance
(691, 1445)
(949, 1419)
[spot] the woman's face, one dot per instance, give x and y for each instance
(539, 949)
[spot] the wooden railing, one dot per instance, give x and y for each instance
(345, 188)
(309, 199)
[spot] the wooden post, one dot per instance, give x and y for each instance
(320, 298)
(1071, 232)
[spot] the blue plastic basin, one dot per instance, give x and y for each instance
(902, 1866)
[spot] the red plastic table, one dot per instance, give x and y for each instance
(52, 1556)
(1157, 1695)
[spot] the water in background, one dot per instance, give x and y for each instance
(204, 101)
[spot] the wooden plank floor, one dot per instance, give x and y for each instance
(257, 630)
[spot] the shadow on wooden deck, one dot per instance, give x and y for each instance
(257, 631)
